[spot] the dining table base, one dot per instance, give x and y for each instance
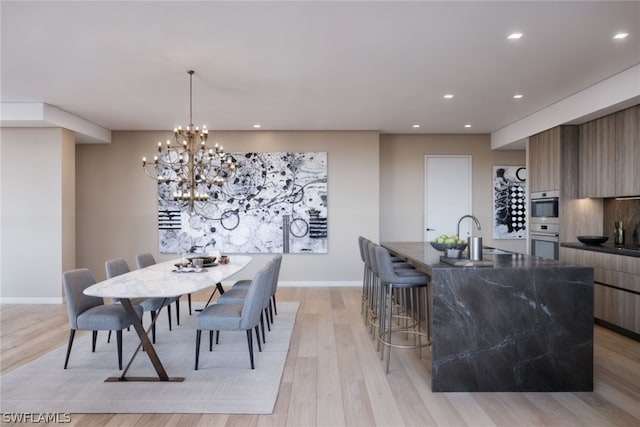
(143, 379)
(146, 344)
(218, 288)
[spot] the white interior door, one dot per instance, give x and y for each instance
(448, 195)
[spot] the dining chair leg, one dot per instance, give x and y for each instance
(258, 338)
(189, 301)
(211, 340)
(168, 314)
(250, 343)
(262, 326)
(119, 341)
(109, 337)
(271, 311)
(72, 333)
(178, 311)
(266, 313)
(153, 327)
(275, 308)
(94, 338)
(198, 335)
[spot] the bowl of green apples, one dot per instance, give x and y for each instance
(446, 243)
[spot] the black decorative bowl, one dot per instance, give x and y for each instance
(444, 246)
(593, 240)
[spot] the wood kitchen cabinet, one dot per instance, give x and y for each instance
(546, 154)
(610, 155)
(616, 290)
(627, 156)
(553, 165)
(544, 160)
(597, 158)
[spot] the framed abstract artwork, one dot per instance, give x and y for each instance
(275, 203)
(509, 202)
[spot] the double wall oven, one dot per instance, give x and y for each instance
(544, 230)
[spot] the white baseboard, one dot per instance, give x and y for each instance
(320, 284)
(58, 300)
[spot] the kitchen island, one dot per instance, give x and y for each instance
(523, 323)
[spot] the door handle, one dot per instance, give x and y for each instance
(431, 229)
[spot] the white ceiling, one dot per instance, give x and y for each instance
(361, 65)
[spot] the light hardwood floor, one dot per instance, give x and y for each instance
(334, 377)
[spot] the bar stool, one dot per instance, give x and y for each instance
(362, 244)
(404, 279)
(369, 280)
(375, 309)
(373, 312)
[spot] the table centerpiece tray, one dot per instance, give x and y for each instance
(189, 270)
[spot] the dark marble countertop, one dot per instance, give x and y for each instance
(626, 250)
(424, 256)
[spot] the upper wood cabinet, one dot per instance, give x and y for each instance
(609, 156)
(597, 157)
(544, 161)
(627, 163)
(553, 159)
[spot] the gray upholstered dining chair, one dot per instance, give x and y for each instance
(145, 260)
(237, 294)
(87, 313)
(118, 266)
(274, 287)
(236, 317)
(243, 285)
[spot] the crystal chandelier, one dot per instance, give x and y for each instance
(188, 164)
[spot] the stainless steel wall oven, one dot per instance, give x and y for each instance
(544, 229)
(544, 204)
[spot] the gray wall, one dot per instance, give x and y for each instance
(117, 202)
(79, 207)
(37, 213)
(402, 183)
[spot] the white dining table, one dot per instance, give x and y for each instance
(162, 280)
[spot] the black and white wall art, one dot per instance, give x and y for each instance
(275, 203)
(509, 202)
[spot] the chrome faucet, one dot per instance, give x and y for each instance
(468, 216)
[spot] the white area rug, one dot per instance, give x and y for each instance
(224, 382)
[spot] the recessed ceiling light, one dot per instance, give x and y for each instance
(620, 36)
(416, 126)
(448, 96)
(514, 36)
(257, 126)
(467, 126)
(517, 96)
